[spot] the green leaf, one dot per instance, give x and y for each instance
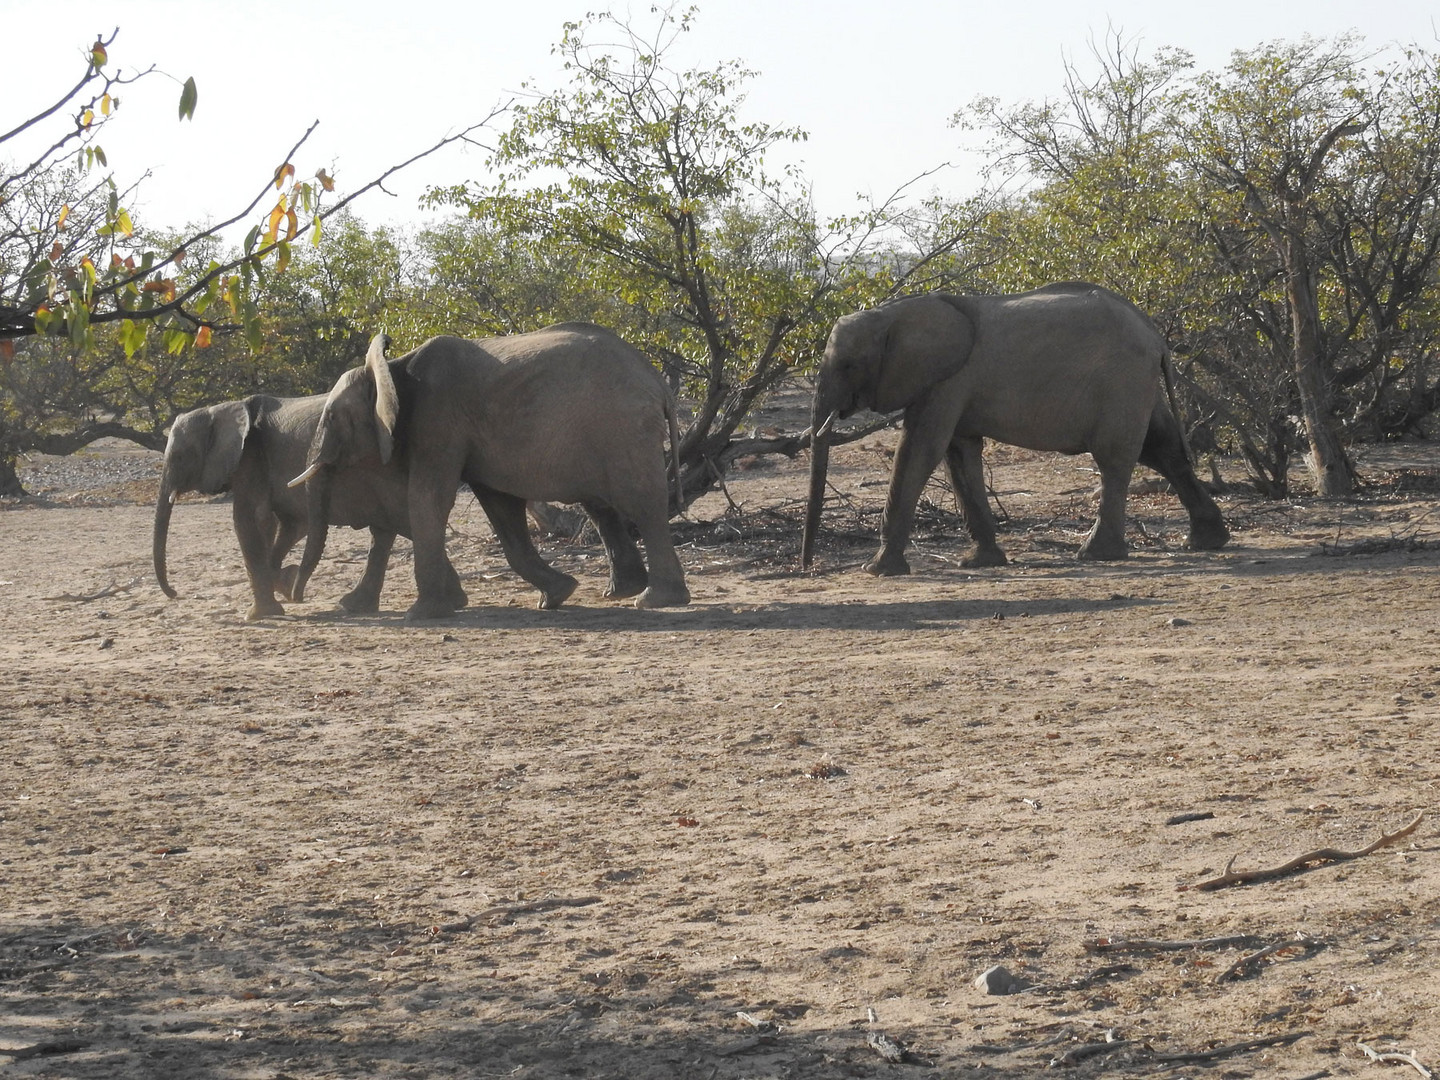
(132, 336)
(187, 99)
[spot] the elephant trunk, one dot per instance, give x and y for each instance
(164, 501)
(317, 503)
(819, 465)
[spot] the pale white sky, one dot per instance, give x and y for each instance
(873, 82)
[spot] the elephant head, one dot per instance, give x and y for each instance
(201, 455)
(357, 427)
(882, 359)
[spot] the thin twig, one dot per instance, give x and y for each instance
(1241, 877)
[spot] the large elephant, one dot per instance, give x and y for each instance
(252, 448)
(568, 414)
(1070, 367)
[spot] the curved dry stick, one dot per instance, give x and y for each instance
(1395, 1058)
(1243, 965)
(1241, 877)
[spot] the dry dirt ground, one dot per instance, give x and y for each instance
(738, 840)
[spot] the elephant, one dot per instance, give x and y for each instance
(568, 414)
(251, 448)
(1070, 367)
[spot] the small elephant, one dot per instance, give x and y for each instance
(1070, 367)
(251, 448)
(567, 414)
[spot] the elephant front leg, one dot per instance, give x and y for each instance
(431, 499)
(255, 529)
(507, 518)
(628, 576)
(364, 599)
(922, 443)
(1107, 539)
(967, 476)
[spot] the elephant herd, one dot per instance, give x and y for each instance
(572, 414)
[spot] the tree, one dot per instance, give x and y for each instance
(73, 261)
(646, 181)
(1267, 130)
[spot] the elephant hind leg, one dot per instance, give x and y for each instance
(364, 599)
(1164, 451)
(628, 576)
(285, 576)
(507, 517)
(1107, 538)
(666, 586)
(967, 476)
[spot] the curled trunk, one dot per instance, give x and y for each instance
(317, 501)
(164, 501)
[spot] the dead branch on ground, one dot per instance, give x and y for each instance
(1195, 1056)
(1232, 876)
(1243, 965)
(1104, 945)
(110, 590)
(509, 911)
(1394, 1057)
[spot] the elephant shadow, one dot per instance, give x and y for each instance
(885, 615)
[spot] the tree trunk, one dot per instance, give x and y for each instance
(1328, 463)
(10, 486)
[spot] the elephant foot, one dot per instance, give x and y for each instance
(1102, 552)
(264, 609)
(358, 602)
(658, 596)
(285, 579)
(1210, 536)
(887, 565)
(555, 595)
(990, 556)
(424, 610)
(623, 590)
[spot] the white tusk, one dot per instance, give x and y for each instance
(306, 475)
(825, 427)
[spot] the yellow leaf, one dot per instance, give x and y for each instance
(272, 230)
(326, 181)
(122, 219)
(98, 55)
(105, 105)
(283, 173)
(87, 118)
(64, 213)
(292, 225)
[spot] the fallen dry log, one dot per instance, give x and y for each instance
(1232, 876)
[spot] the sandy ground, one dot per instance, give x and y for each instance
(737, 840)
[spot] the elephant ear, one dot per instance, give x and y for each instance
(230, 425)
(387, 398)
(929, 340)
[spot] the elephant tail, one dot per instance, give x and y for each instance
(1167, 370)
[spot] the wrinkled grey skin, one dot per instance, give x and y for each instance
(1071, 367)
(568, 414)
(252, 448)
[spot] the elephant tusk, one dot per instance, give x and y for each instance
(825, 427)
(306, 475)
